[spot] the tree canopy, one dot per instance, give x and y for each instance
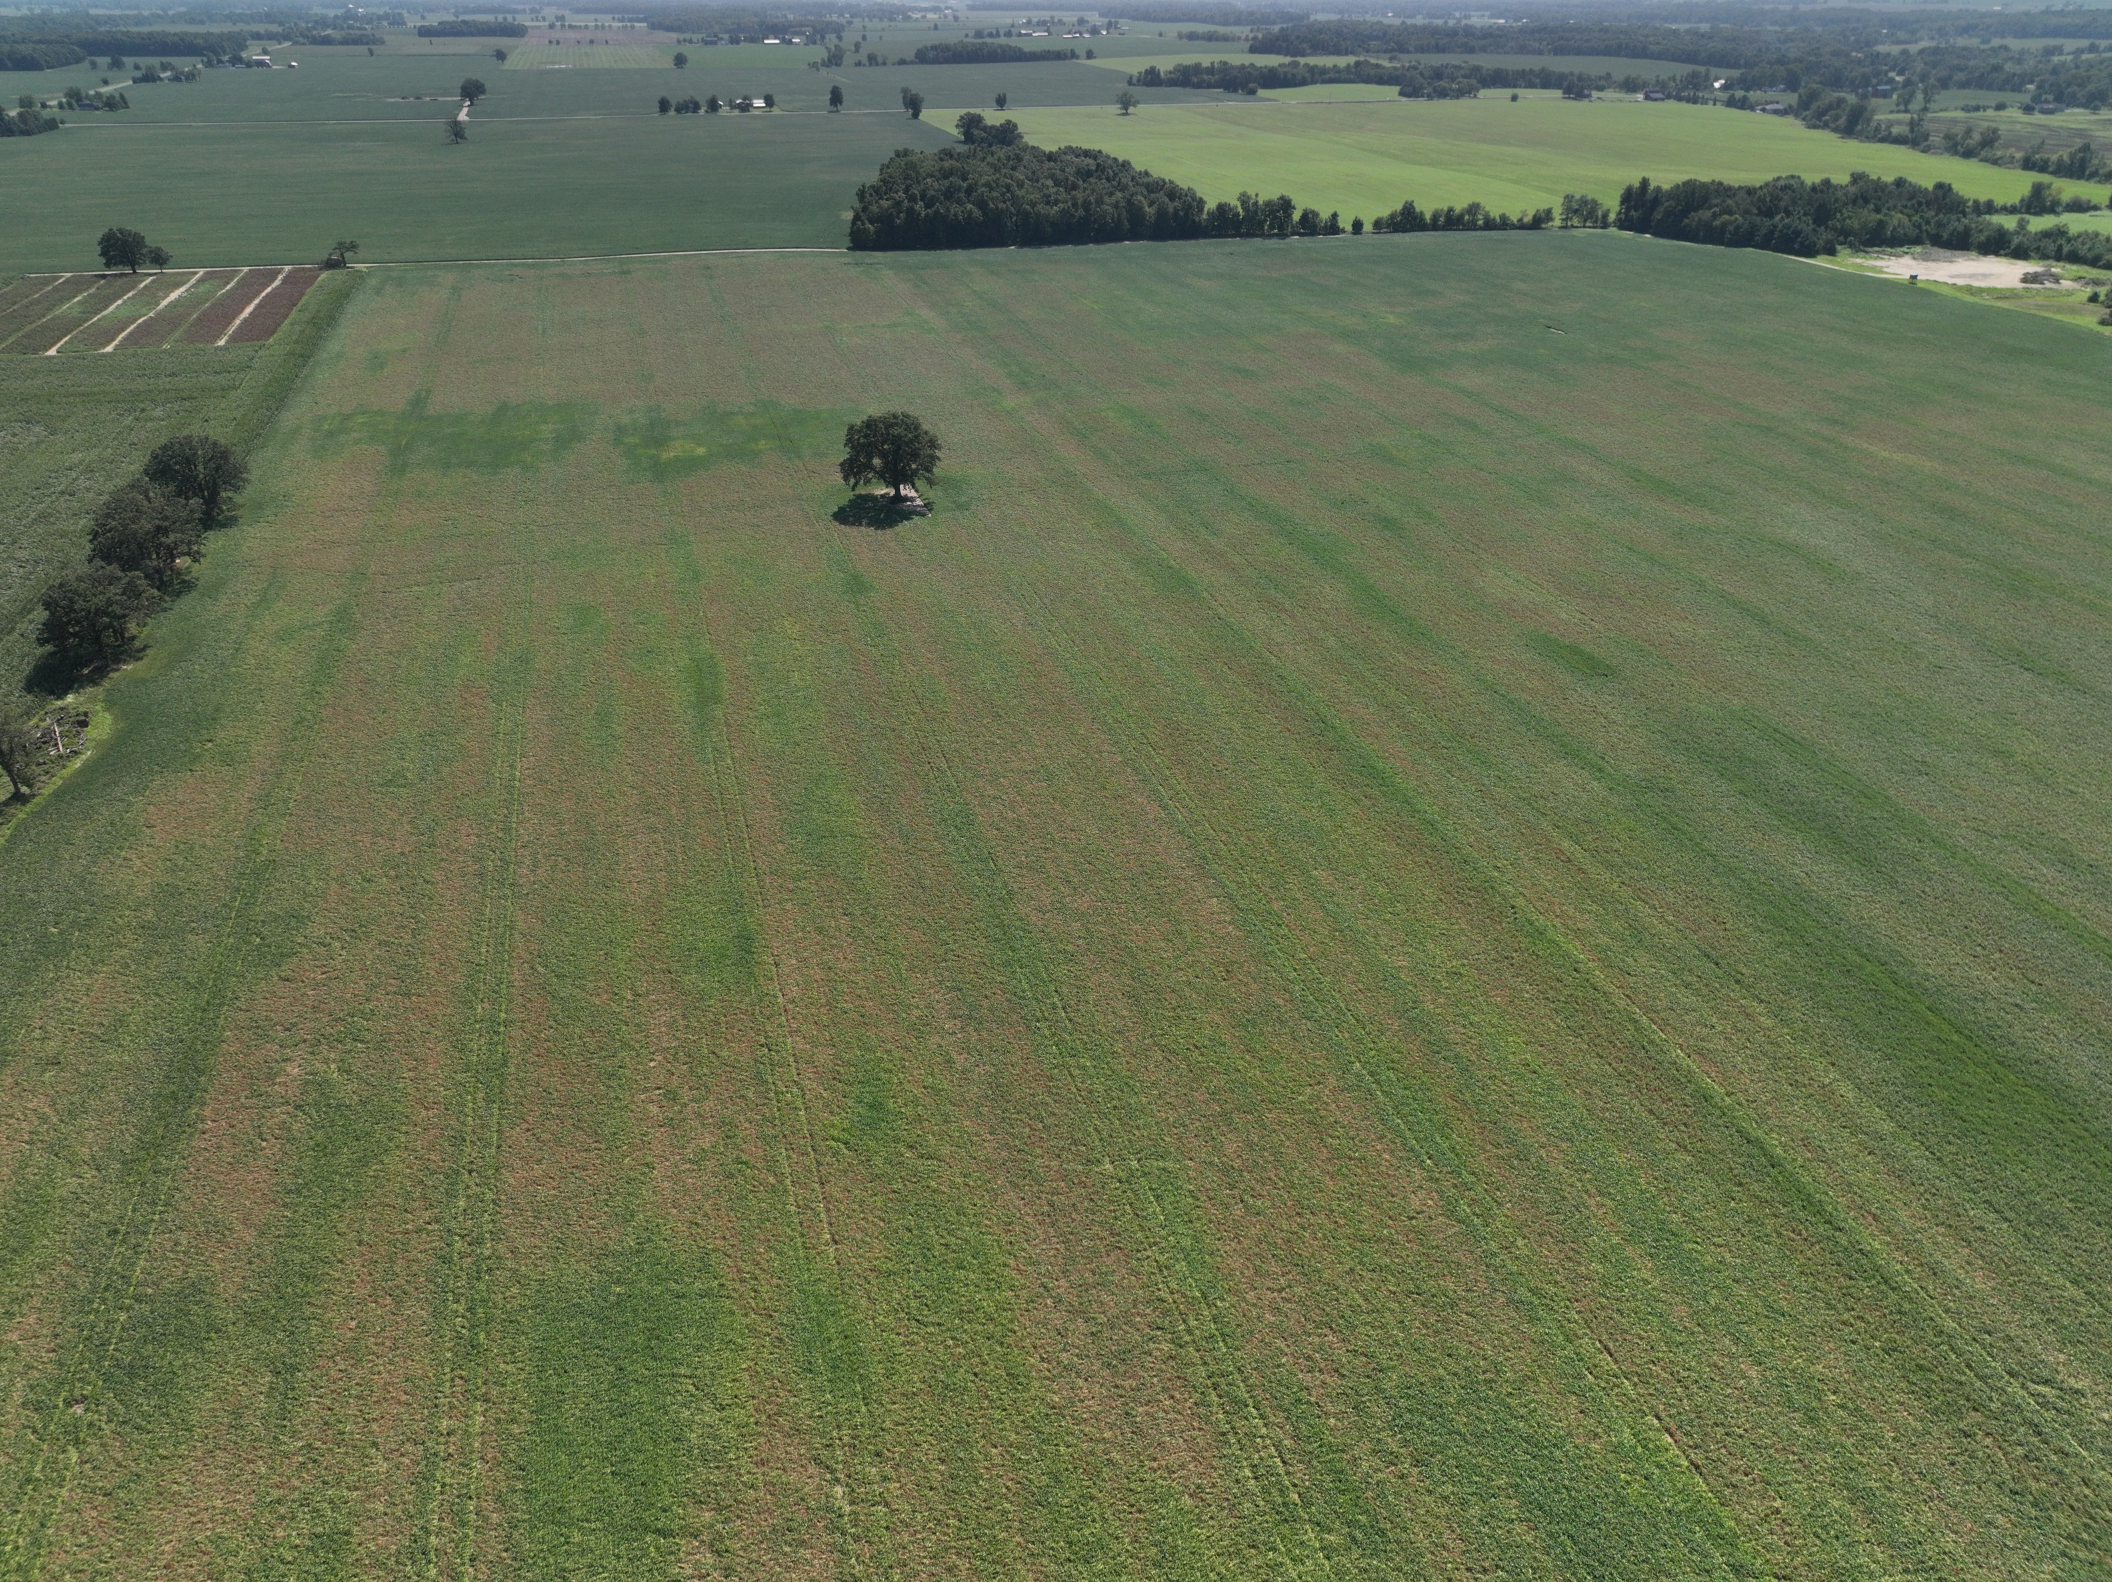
(1792, 215)
(894, 448)
(96, 612)
(122, 247)
(473, 89)
(199, 468)
(974, 52)
(977, 128)
(1018, 196)
(145, 528)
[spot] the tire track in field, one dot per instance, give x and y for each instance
(173, 1121)
(445, 1541)
(1202, 1325)
(1819, 1203)
(1468, 1203)
(806, 1205)
(1471, 1204)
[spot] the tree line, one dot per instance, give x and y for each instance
(143, 540)
(1813, 218)
(985, 52)
(1464, 217)
(28, 121)
(45, 44)
(1413, 79)
(995, 191)
(985, 195)
(456, 27)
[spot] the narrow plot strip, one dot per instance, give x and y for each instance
(119, 338)
(54, 349)
(251, 306)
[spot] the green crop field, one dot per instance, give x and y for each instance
(1367, 158)
(577, 162)
(1450, 919)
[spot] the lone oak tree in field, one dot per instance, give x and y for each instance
(894, 448)
(122, 248)
(473, 89)
(197, 467)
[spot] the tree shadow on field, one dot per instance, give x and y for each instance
(877, 511)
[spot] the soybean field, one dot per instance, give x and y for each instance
(1448, 919)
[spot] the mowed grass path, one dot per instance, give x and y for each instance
(1366, 158)
(1396, 944)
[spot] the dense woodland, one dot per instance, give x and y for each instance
(985, 52)
(1413, 79)
(48, 43)
(1808, 218)
(1018, 196)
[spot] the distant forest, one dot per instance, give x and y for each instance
(1809, 218)
(983, 52)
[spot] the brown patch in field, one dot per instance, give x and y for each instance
(218, 315)
(29, 299)
(81, 301)
(161, 326)
(275, 306)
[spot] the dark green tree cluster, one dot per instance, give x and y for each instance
(1253, 215)
(894, 448)
(972, 52)
(1463, 217)
(685, 106)
(1581, 211)
(1018, 196)
(142, 540)
(1723, 45)
(1412, 79)
(121, 247)
(47, 42)
(457, 27)
(26, 122)
(1809, 218)
(979, 131)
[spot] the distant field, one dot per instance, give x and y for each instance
(355, 86)
(1397, 944)
(534, 56)
(1366, 158)
(516, 189)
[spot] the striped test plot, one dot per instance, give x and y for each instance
(53, 315)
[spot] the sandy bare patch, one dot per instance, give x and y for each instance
(1967, 269)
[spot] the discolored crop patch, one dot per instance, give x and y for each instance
(662, 448)
(511, 436)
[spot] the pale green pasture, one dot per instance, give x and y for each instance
(1369, 157)
(543, 56)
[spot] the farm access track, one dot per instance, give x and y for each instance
(90, 312)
